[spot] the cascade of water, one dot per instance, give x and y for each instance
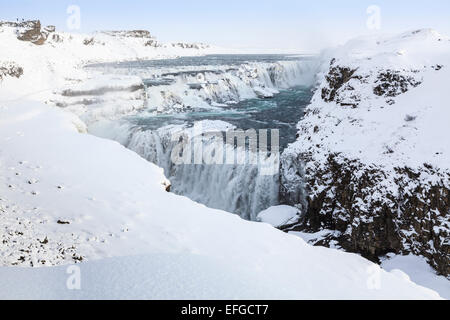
(203, 89)
(239, 188)
(242, 187)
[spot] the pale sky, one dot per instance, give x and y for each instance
(257, 24)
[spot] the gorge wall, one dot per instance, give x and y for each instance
(371, 163)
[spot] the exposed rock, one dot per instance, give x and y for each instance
(30, 31)
(341, 82)
(89, 42)
(362, 173)
(391, 83)
(10, 69)
(351, 198)
(33, 33)
(190, 45)
(57, 38)
(337, 78)
(152, 43)
(130, 33)
(50, 29)
(24, 241)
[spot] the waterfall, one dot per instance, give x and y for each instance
(243, 188)
(202, 89)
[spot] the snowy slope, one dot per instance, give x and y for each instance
(116, 205)
(373, 151)
(419, 272)
(417, 117)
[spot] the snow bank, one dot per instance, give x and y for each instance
(419, 271)
(279, 216)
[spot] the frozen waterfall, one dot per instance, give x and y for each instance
(243, 188)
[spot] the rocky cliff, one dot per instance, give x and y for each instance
(31, 31)
(371, 163)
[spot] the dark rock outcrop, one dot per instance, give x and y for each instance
(342, 80)
(89, 42)
(30, 31)
(391, 83)
(190, 45)
(336, 79)
(410, 217)
(130, 34)
(10, 69)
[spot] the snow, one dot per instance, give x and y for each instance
(51, 66)
(368, 133)
(279, 216)
(91, 200)
(117, 206)
(418, 270)
(157, 276)
(314, 238)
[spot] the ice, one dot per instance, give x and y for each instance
(279, 216)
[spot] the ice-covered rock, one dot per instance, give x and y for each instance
(30, 30)
(371, 153)
(279, 216)
(10, 69)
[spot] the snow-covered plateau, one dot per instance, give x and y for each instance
(68, 197)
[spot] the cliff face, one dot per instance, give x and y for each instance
(372, 161)
(30, 31)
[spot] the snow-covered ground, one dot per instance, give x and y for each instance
(69, 197)
(419, 271)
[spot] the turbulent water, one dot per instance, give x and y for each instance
(195, 95)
